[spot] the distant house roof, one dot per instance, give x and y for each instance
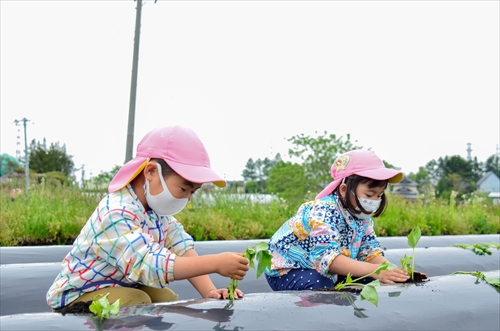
(406, 182)
(486, 176)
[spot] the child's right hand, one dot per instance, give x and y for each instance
(392, 276)
(232, 265)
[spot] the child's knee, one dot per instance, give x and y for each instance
(135, 297)
(129, 296)
(160, 294)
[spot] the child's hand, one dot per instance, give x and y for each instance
(222, 293)
(232, 265)
(392, 276)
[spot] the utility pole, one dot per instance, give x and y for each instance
(469, 150)
(26, 157)
(133, 85)
(83, 176)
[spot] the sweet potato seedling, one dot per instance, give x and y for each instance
(479, 248)
(369, 291)
(102, 308)
(493, 281)
(259, 253)
(413, 238)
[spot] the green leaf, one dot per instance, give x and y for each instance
(115, 307)
(249, 254)
(95, 308)
(369, 293)
(384, 266)
(414, 237)
(406, 263)
(493, 281)
(263, 261)
(257, 252)
(101, 306)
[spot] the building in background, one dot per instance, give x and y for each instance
(490, 183)
(407, 188)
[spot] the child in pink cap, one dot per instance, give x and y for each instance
(333, 235)
(132, 246)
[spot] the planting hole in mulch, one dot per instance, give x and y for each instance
(79, 307)
(418, 277)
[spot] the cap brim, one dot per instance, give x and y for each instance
(127, 173)
(196, 174)
(391, 175)
(329, 189)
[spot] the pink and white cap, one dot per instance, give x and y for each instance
(363, 163)
(180, 147)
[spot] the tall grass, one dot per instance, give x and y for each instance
(475, 215)
(50, 214)
(55, 214)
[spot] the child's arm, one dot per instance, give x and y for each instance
(196, 268)
(203, 284)
(343, 265)
(231, 265)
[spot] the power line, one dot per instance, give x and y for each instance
(26, 156)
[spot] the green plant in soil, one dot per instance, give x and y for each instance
(102, 308)
(493, 281)
(259, 253)
(479, 248)
(408, 262)
(369, 291)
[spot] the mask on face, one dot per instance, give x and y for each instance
(164, 203)
(369, 205)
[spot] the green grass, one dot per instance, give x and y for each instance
(54, 214)
(476, 215)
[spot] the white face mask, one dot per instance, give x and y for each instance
(368, 205)
(164, 203)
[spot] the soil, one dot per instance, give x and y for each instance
(76, 308)
(418, 277)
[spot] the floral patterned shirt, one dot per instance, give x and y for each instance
(316, 234)
(121, 244)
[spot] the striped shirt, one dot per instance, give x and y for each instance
(316, 234)
(121, 244)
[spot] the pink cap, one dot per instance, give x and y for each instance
(180, 147)
(363, 163)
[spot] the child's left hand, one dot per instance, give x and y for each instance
(222, 293)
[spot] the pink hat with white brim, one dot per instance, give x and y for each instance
(180, 147)
(362, 163)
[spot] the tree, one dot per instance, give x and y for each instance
(258, 172)
(433, 171)
(106, 177)
(288, 181)
(493, 164)
(53, 158)
(250, 172)
(251, 187)
(317, 155)
(457, 174)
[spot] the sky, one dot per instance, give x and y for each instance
(411, 80)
